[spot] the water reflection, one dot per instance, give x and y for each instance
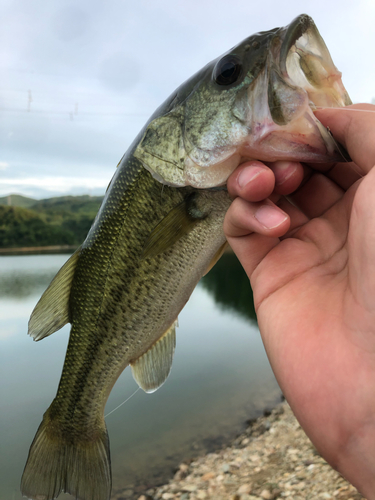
(21, 286)
(229, 285)
(26, 275)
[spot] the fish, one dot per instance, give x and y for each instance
(160, 229)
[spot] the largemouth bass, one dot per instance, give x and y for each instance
(159, 230)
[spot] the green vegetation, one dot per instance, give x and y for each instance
(54, 221)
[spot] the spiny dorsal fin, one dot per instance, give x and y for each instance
(52, 311)
(151, 370)
(178, 222)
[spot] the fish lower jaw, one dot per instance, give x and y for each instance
(288, 146)
(271, 147)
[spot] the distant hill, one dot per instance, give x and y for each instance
(76, 204)
(63, 220)
(17, 200)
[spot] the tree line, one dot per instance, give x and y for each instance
(63, 220)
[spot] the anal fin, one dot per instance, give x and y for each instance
(151, 369)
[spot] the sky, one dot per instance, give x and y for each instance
(78, 79)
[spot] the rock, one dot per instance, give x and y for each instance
(174, 487)
(225, 468)
(190, 487)
(201, 494)
(208, 476)
(245, 488)
(167, 496)
(279, 410)
(266, 494)
(180, 474)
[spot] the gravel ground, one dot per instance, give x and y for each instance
(273, 459)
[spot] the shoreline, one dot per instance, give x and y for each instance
(38, 250)
(272, 459)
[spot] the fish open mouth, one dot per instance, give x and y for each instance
(299, 77)
(305, 62)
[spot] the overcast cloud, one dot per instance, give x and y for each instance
(79, 79)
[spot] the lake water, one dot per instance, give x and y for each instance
(219, 379)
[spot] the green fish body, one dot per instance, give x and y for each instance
(158, 232)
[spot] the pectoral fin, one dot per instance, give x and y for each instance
(216, 257)
(151, 370)
(178, 222)
(52, 311)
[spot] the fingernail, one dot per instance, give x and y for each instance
(284, 171)
(270, 217)
(247, 175)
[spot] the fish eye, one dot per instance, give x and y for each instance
(227, 70)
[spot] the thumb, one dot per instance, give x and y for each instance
(354, 127)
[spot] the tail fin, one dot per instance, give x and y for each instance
(79, 467)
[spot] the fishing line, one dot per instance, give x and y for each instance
(347, 109)
(117, 407)
(343, 108)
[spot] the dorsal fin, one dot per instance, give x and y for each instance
(52, 311)
(151, 370)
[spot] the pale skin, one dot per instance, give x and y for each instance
(311, 264)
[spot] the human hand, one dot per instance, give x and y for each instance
(311, 263)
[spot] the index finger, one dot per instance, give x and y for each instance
(354, 127)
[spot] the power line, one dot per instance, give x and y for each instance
(81, 113)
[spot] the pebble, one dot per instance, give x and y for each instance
(201, 494)
(272, 460)
(266, 494)
(190, 487)
(225, 468)
(245, 488)
(208, 476)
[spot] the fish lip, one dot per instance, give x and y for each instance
(294, 31)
